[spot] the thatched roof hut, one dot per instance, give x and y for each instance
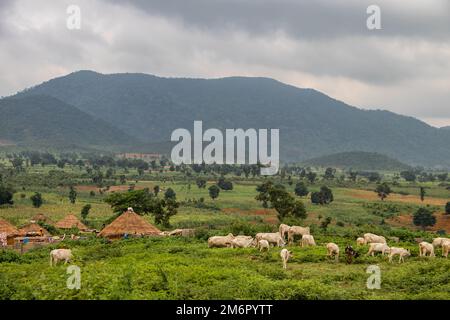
(69, 222)
(10, 230)
(40, 217)
(33, 230)
(129, 223)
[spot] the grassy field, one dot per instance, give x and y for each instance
(185, 268)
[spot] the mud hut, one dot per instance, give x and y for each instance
(131, 224)
(40, 217)
(34, 230)
(10, 231)
(70, 222)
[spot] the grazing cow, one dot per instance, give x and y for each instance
(60, 255)
(273, 238)
(378, 247)
(350, 253)
(263, 245)
(283, 228)
(182, 232)
(360, 241)
(426, 248)
(445, 249)
(438, 242)
(333, 251)
(400, 252)
(220, 241)
(297, 231)
(308, 240)
(241, 242)
(373, 238)
(285, 254)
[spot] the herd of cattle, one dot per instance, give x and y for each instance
(263, 241)
(376, 244)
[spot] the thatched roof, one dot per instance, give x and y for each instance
(129, 223)
(41, 217)
(33, 229)
(69, 222)
(8, 228)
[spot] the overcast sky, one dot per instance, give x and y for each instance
(325, 45)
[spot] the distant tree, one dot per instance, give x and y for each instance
(141, 201)
(324, 224)
(352, 175)
(301, 189)
(6, 195)
(92, 193)
(224, 184)
(422, 193)
(200, 182)
(170, 194)
(424, 218)
(156, 190)
(109, 173)
(383, 190)
(17, 163)
(214, 191)
(442, 177)
(72, 195)
(408, 175)
(324, 196)
(36, 199)
(123, 179)
(311, 176)
(447, 208)
(85, 211)
(329, 173)
(374, 177)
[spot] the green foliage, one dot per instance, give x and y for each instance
(6, 195)
(72, 195)
(424, 218)
(37, 200)
(214, 191)
(224, 184)
(324, 196)
(200, 182)
(170, 194)
(141, 201)
(447, 208)
(85, 211)
(383, 190)
(301, 189)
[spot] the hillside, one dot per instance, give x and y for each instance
(46, 121)
(357, 161)
(311, 124)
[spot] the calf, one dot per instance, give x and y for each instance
(57, 255)
(308, 240)
(378, 247)
(426, 248)
(333, 251)
(263, 245)
(285, 255)
(297, 231)
(400, 252)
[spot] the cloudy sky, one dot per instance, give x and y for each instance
(320, 44)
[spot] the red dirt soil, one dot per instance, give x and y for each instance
(395, 197)
(442, 222)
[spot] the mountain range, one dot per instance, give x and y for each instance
(136, 111)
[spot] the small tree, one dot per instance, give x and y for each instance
(36, 199)
(170, 194)
(324, 224)
(422, 193)
(6, 195)
(156, 190)
(447, 208)
(424, 218)
(311, 176)
(214, 191)
(85, 211)
(301, 189)
(383, 190)
(72, 195)
(201, 183)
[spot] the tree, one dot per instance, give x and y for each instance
(324, 196)
(122, 179)
(72, 195)
(36, 199)
(353, 175)
(424, 218)
(329, 173)
(447, 208)
(156, 190)
(311, 176)
(6, 195)
(408, 175)
(85, 211)
(170, 194)
(383, 190)
(200, 182)
(324, 224)
(224, 184)
(301, 189)
(422, 193)
(214, 191)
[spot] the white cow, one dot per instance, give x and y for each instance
(438, 242)
(308, 240)
(360, 241)
(378, 247)
(333, 251)
(273, 238)
(373, 238)
(57, 255)
(400, 252)
(241, 242)
(297, 231)
(220, 241)
(285, 254)
(426, 248)
(263, 245)
(283, 229)
(445, 249)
